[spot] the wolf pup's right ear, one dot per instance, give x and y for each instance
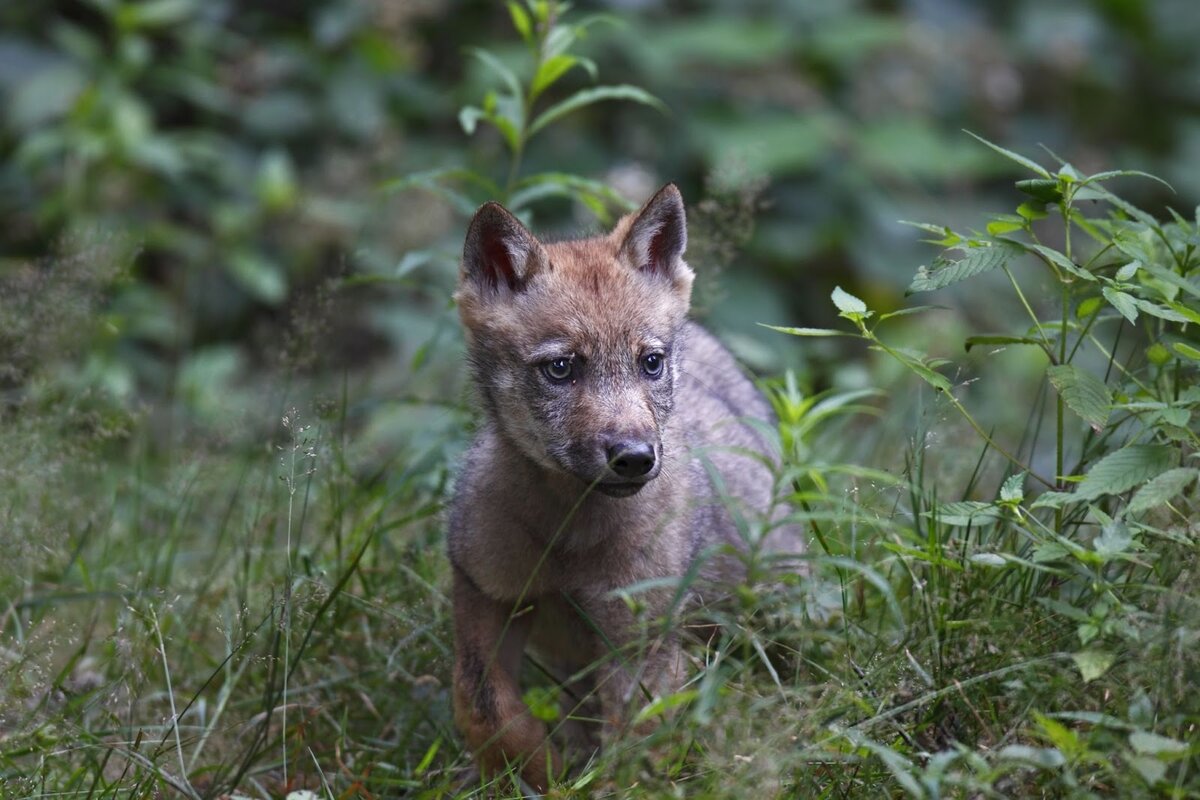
(500, 253)
(656, 237)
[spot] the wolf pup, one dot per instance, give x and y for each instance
(613, 452)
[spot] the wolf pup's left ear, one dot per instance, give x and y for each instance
(500, 253)
(657, 236)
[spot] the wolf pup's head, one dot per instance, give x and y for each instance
(575, 344)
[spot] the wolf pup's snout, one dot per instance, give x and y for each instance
(631, 458)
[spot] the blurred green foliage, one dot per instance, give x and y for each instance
(243, 152)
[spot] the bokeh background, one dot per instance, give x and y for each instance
(202, 188)
(232, 386)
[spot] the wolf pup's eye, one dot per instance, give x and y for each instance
(652, 364)
(557, 369)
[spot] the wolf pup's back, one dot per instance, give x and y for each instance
(614, 451)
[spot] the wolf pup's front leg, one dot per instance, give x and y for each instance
(488, 708)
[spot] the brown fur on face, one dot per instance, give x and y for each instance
(606, 415)
(601, 303)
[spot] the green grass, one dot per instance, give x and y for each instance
(281, 593)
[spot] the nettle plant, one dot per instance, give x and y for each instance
(1105, 543)
(518, 111)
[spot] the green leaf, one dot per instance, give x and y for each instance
(550, 71)
(1129, 208)
(1151, 769)
(1151, 744)
(945, 272)
(1044, 757)
(543, 702)
(989, 338)
(1120, 471)
(1054, 499)
(1123, 173)
(1087, 307)
(1184, 311)
(521, 21)
(1114, 540)
(988, 560)
(586, 97)
(1061, 261)
(1042, 190)
(999, 226)
(499, 68)
(1084, 393)
(848, 303)
(934, 379)
(1010, 155)
(806, 331)
(904, 312)
(1032, 210)
(1162, 489)
(1121, 302)
(1162, 312)
(966, 512)
(661, 705)
(259, 276)
(1126, 273)
(1092, 664)
(1186, 350)
(1011, 491)
(549, 184)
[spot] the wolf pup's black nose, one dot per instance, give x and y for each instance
(631, 459)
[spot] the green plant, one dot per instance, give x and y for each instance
(1105, 543)
(512, 111)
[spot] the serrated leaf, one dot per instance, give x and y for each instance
(1162, 489)
(586, 97)
(1084, 393)
(1120, 471)
(1162, 312)
(1121, 302)
(946, 272)
(1092, 664)
(1061, 261)
(1020, 159)
(847, 303)
(1011, 491)
(1152, 744)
